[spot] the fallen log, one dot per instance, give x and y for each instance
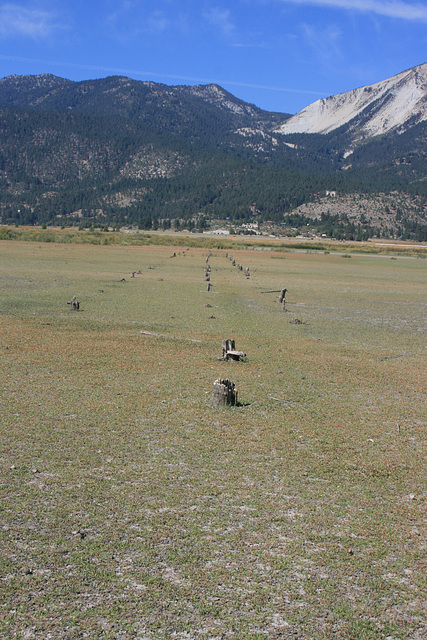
(235, 355)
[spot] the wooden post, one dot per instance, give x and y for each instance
(282, 295)
(224, 392)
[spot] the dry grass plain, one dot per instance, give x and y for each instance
(131, 509)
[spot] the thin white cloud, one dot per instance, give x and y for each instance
(157, 22)
(130, 20)
(220, 19)
(120, 9)
(389, 8)
(32, 23)
(325, 42)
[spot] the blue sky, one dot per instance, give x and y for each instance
(278, 54)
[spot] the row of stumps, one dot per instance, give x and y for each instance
(224, 391)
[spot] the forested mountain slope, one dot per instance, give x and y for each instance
(118, 151)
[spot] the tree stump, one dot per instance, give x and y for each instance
(224, 392)
(227, 345)
(74, 304)
(209, 287)
(229, 351)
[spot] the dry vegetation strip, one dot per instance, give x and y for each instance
(130, 508)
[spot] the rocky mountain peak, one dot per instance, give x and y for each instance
(368, 111)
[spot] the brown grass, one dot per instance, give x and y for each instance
(132, 509)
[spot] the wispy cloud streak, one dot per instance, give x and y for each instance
(389, 8)
(18, 20)
(324, 42)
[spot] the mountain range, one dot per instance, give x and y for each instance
(116, 152)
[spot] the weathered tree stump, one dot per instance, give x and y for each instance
(74, 304)
(224, 392)
(227, 345)
(229, 351)
(209, 287)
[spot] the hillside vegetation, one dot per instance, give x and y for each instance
(120, 152)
